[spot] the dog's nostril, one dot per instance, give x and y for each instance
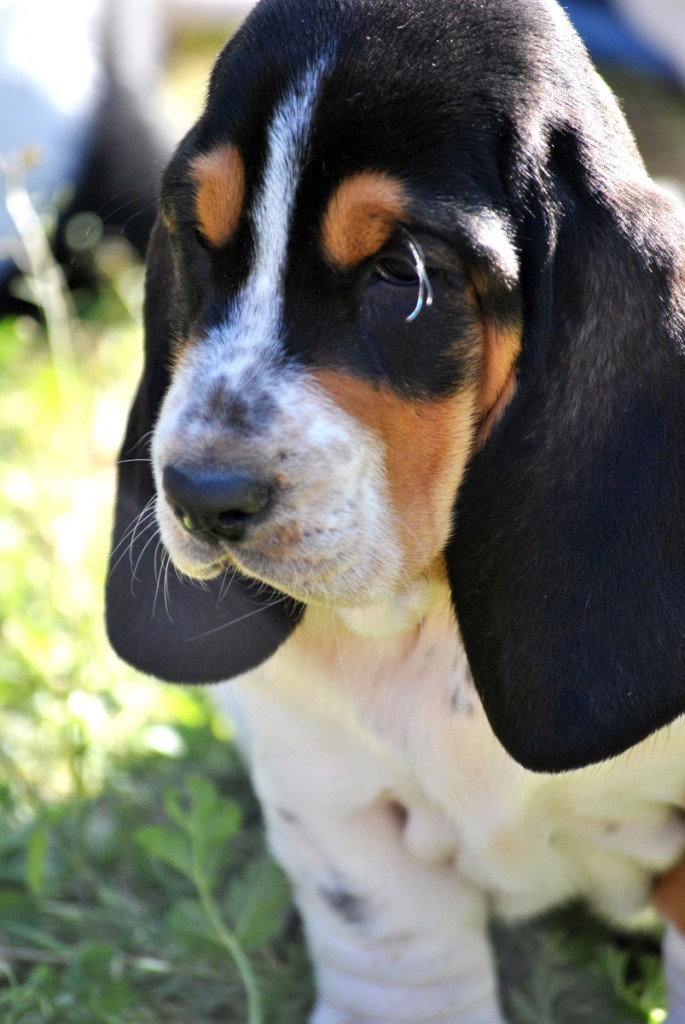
(218, 503)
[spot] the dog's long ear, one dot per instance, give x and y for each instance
(169, 627)
(567, 562)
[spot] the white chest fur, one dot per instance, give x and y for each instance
(339, 722)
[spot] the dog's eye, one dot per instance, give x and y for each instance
(397, 270)
(402, 271)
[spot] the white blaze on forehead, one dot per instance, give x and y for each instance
(243, 347)
(254, 321)
(288, 141)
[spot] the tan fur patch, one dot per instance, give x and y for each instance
(219, 178)
(360, 217)
(426, 446)
(502, 347)
(669, 896)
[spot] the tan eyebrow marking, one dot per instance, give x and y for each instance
(219, 178)
(360, 217)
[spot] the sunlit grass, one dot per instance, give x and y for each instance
(60, 429)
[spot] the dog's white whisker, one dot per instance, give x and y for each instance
(134, 568)
(234, 622)
(136, 528)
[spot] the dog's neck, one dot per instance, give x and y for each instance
(402, 612)
(409, 644)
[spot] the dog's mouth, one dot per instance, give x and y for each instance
(320, 548)
(342, 581)
(307, 572)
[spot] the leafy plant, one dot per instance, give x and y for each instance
(257, 898)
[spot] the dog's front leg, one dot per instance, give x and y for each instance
(392, 938)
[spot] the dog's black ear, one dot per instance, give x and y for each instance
(160, 623)
(567, 562)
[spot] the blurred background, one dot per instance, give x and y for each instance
(134, 884)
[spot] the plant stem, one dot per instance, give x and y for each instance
(228, 941)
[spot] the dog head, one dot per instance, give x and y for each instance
(412, 301)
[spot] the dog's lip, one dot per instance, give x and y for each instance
(313, 578)
(317, 589)
(319, 586)
(202, 570)
(198, 562)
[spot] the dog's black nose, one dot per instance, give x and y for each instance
(221, 504)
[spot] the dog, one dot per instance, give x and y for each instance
(406, 463)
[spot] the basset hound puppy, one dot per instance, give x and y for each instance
(407, 463)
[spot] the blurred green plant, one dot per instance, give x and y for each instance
(257, 897)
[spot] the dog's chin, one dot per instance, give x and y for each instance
(345, 579)
(350, 588)
(368, 610)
